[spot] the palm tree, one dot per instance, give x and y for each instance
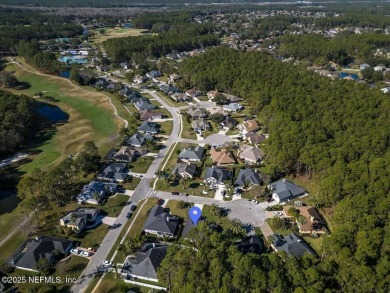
(235, 226)
(215, 210)
(183, 181)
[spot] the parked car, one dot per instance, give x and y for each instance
(86, 253)
(175, 193)
(129, 215)
(133, 208)
(160, 201)
(74, 250)
(92, 249)
(107, 263)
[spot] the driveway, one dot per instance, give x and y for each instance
(241, 209)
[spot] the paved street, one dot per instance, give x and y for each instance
(141, 192)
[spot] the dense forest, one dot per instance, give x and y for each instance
(340, 49)
(19, 121)
(178, 37)
(335, 131)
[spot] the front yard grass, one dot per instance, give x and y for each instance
(113, 206)
(187, 132)
(141, 165)
(222, 221)
(172, 205)
(192, 187)
(92, 237)
(132, 185)
(166, 127)
(111, 283)
(283, 232)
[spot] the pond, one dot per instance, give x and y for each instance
(52, 113)
(8, 201)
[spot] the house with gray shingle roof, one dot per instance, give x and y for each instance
(233, 107)
(143, 105)
(79, 219)
(196, 113)
(291, 244)
(186, 170)
(114, 172)
(250, 176)
(214, 176)
(148, 127)
(251, 154)
(192, 154)
(138, 140)
(200, 125)
(160, 222)
(128, 154)
(33, 250)
(146, 262)
(284, 190)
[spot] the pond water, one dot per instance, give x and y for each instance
(52, 113)
(8, 201)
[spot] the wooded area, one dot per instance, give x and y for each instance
(335, 131)
(19, 122)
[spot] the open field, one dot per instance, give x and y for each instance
(111, 33)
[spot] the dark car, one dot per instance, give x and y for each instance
(133, 208)
(160, 201)
(175, 193)
(129, 215)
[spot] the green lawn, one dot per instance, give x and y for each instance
(283, 232)
(11, 245)
(187, 132)
(141, 165)
(111, 283)
(91, 118)
(93, 237)
(315, 243)
(113, 206)
(166, 127)
(134, 181)
(172, 205)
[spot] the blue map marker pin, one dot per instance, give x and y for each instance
(195, 213)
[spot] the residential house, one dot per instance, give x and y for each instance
(250, 154)
(200, 125)
(233, 107)
(180, 97)
(248, 177)
(103, 68)
(173, 77)
(138, 140)
(147, 115)
(379, 68)
(385, 90)
(184, 170)
(291, 244)
(222, 157)
(364, 66)
(101, 83)
(145, 263)
(139, 79)
(33, 250)
(169, 89)
(148, 127)
(197, 113)
(79, 219)
(233, 99)
(249, 126)
(114, 172)
(124, 65)
(95, 192)
(313, 222)
(111, 87)
(193, 93)
(251, 244)
(216, 110)
(215, 176)
(212, 94)
(153, 74)
(160, 222)
(126, 92)
(129, 154)
(137, 98)
(194, 154)
(229, 123)
(255, 138)
(284, 190)
(143, 105)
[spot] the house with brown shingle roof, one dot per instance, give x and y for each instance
(251, 154)
(249, 126)
(255, 138)
(311, 223)
(222, 157)
(149, 115)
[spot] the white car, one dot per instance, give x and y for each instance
(107, 263)
(74, 250)
(86, 253)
